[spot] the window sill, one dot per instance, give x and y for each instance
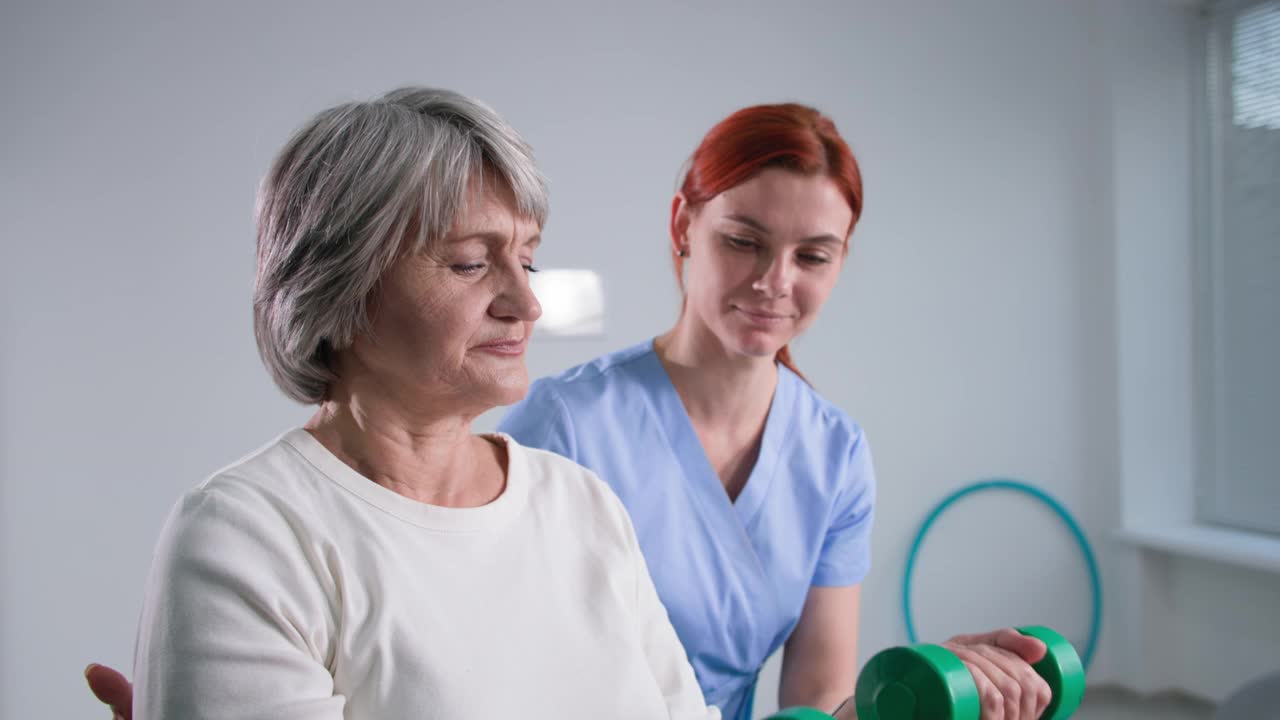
(1232, 547)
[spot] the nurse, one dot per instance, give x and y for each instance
(752, 495)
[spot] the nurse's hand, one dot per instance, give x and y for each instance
(111, 688)
(1000, 663)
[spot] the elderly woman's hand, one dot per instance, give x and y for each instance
(112, 689)
(1000, 662)
(1001, 666)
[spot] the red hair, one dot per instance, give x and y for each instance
(790, 136)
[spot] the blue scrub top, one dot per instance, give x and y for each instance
(733, 575)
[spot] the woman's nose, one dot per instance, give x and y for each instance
(774, 280)
(516, 299)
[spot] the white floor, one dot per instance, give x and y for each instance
(1104, 704)
(1108, 703)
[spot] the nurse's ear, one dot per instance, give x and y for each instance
(681, 216)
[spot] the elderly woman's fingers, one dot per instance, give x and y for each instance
(1030, 649)
(999, 694)
(1033, 689)
(111, 688)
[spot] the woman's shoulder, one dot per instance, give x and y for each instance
(588, 379)
(824, 417)
(245, 524)
(556, 479)
(596, 394)
(278, 467)
(265, 488)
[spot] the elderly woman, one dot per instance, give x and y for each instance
(383, 561)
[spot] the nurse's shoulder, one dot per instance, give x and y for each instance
(829, 437)
(596, 395)
(821, 420)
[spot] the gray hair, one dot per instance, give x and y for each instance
(353, 189)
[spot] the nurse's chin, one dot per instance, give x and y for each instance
(759, 344)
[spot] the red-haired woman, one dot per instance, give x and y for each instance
(752, 495)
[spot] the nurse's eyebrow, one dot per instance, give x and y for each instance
(825, 238)
(749, 221)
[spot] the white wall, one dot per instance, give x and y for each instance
(975, 332)
(1194, 607)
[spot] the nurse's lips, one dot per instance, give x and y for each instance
(761, 316)
(507, 347)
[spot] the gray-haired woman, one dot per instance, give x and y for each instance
(383, 561)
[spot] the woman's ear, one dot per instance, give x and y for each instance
(680, 218)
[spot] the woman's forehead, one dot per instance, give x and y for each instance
(779, 199)
(492, 214)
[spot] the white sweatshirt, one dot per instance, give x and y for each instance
(288, 586)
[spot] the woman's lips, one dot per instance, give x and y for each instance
(507, 348)
(763, 317)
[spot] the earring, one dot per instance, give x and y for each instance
(682, 253)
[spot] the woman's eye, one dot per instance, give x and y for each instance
(814, 259)
(467, 268)
(530, 268)
(741, 242)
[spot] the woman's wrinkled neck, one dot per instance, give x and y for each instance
(404, 444)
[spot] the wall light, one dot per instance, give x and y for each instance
(572, 303)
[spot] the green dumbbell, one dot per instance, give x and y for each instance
(799, 713)
(928, 682)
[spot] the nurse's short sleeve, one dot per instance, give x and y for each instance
(541, 421)
(845, 558)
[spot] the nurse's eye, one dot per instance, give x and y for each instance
(529, 267)
(811, 259)
(467, 268)
(741, 243)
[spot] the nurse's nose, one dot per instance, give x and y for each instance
(775, 278)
